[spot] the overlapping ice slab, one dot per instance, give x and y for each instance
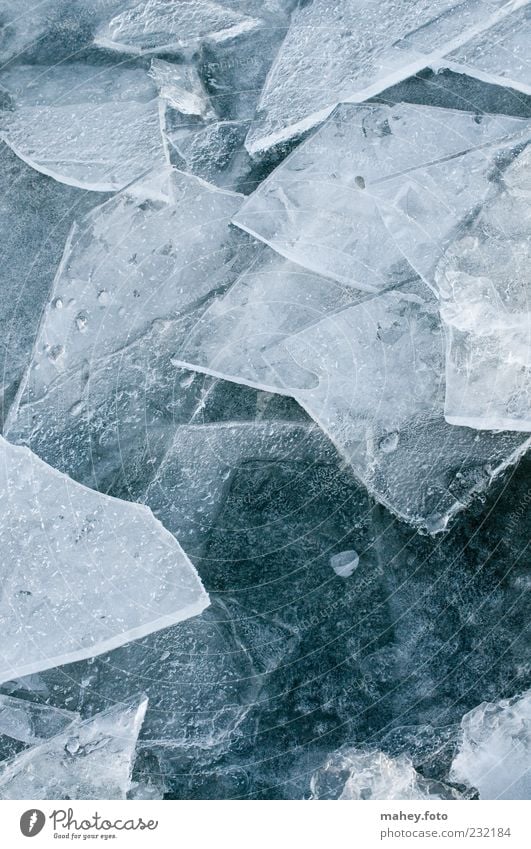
(377, 187)
(483, 281)
(352, 773)
(92, 126)
(31, 722)
(495, 751)
(370, 374)
(354, 50)
(135, 263)
(90, 760)
(82, 572)
(156, 26)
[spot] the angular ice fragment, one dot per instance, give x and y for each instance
(376, 187)
(82, 572)
(345, 563)
(156, 26)
(495, 751)
(90, 760)
(354, 50)
(483, 281)
(129, 268)
(85, 125)
(30, 722)
(371, 376)
(353, 773)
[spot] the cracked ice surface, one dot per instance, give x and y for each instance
(90, 760)
(135, 275)
(495, 751)
(369, 373)
(85, 125)
(82, 572)
(400, 177)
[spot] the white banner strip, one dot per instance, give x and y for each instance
(266, 825)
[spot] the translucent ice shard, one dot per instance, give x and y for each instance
(156, 26)
(495, 750)
(357, 49)
(483, 281)
(376, 187)
(356, 774)
(90, 760)
(345, 563)
(31, 722)
(82, 572)
(370, 375)
(92, 126)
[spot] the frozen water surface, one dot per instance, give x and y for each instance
(284, 355)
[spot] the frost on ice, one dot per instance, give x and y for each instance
(89, 760)
(82, 572)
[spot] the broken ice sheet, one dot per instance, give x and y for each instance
(92, 126)
(194, 478)
(90, 760)
(379, 189)
(31, 722)
(82, 572)
(500, 54)
(156, 26)
(145, 257)
(371, 375)
(321, 63)
(483, 281)
(495, 751)
(352, 773)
